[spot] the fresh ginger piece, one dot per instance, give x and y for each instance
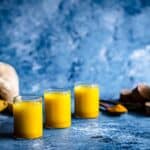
(3, 105)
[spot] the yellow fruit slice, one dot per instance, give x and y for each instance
(3, 105)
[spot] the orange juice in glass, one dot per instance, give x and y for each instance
(86, 100)
(57, 108)
(28, 117)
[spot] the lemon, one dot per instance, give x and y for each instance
(3, 105)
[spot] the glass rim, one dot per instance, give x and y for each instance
(27, 98)
(86, 84)
(58, 90)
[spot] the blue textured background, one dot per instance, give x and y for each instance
(58, 43)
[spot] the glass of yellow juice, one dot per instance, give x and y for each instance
(57, 108)
(86, 100)
(28, 117)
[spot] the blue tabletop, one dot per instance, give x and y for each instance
(129, 131)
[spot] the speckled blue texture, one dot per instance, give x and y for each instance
(58, 43)
(106, 133)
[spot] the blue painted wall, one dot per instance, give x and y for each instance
(60, 42)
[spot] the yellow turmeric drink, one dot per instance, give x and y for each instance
(28, 118)
(86, 101)
(57, 109)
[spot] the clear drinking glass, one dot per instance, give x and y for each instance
(57, 108)
(28, 117)
(86, 100)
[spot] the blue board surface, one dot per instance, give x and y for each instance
(129, 131)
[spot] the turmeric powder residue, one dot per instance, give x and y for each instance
(117, 109)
